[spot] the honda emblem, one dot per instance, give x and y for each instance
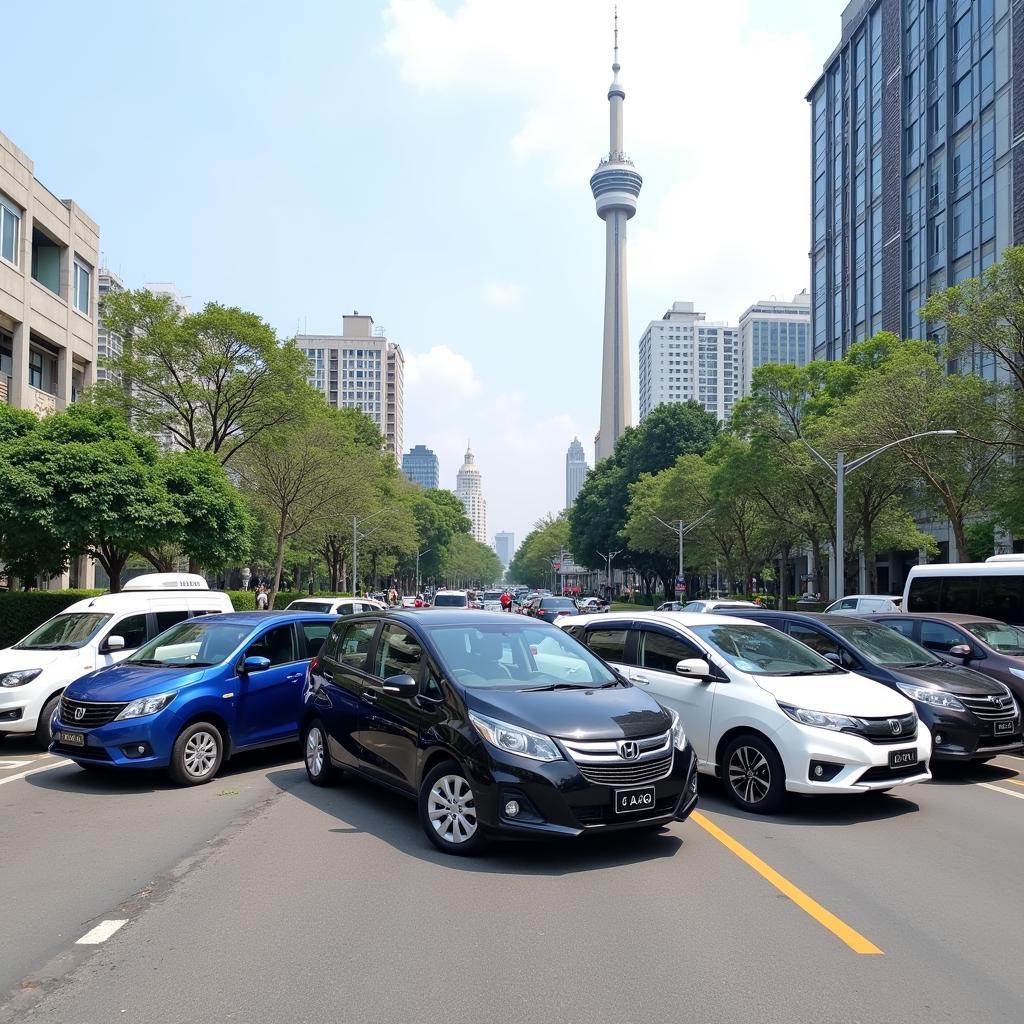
(896, 725)
(629, 750)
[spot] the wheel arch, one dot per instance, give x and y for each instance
(213, 718)
(742, 730)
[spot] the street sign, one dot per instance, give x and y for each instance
(556, 565)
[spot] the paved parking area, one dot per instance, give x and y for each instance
(260, 898)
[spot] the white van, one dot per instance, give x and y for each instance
(992, 589)
(91, 634)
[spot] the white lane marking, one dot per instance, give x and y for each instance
(33, 771)
(100, 933)
(1015, 757)
(6, 766)
(997, 789)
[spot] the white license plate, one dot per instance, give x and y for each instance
(902, 758)
(1005, 727)
(71, 739)
(633, 801)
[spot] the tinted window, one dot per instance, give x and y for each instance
(356, 644)
(925, 594)
(660, 652)
(901, 625)
(814, 638)
(960, 594)
(398, 653)
(609, 644)
(164, 620)
(277, 645)
(332, 645)
(309, 606)
(134, 630)
(450, 601)
(313, 635)
(939, 637)
(1001, 597)
(557, 602)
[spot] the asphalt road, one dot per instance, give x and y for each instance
(261, 899)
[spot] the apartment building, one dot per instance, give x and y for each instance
(775, 331)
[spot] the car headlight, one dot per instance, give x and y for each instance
(1018, 672)
(146, 706)
(821, 719)
(937, 698)
(514, 739)
(19, 677)
(678, 733)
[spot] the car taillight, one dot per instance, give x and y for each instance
(314, 664)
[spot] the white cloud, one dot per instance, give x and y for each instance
(441, 374)
(502, 293)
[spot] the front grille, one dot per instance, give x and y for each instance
(607, 752)
(92, 753)
(990, 709)
(93, 714)
(627, 774)
(881, 730)
(883, 774)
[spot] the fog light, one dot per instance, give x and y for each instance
(818, 771)
(938, 737)
(512, 808)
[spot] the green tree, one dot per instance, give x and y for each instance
(439, 518)
(531, 563)
(470, 563)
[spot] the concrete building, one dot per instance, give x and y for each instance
(505, 547)
(774, 331)
(685, 358)
(420, 465)
(470, 491)
(361, 369)
(575, 471)
(616, 186)
(917, 167)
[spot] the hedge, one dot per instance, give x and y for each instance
(22, 610)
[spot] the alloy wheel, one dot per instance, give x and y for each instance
(200, 754)
(451, 808)
(315, 751)
(750, 774)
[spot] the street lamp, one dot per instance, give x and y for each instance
(840, 470)
(418, 553)
(609, 557)
(682, 530)
(357, 521)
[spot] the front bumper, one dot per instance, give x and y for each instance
(116, 743)
(556, 800)
(961, 736)
(19, 713)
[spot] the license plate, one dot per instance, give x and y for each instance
(901, 758)
(632, 801)
(71, 739)
(1005, 727)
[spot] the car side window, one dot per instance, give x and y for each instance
(398, 653)
(660, 652)
(312, 636)
(609, 644)
(134, 629)
(277, 644)
(816, 640)
(346, 608)
(937, 636)
(164, 620)
(901, 625)
(356, 644)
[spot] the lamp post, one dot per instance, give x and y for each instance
(418, 554)
(682, 529)
(609, 557)
(357, 521)
(840, 471)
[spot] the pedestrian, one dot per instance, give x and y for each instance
(506, 601)
(262, 599)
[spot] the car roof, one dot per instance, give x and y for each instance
(954, 617)
(877, 597)
(829, 619)
(452, 617)
(262, 618)
(666, 618)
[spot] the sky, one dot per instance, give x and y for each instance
(427, 162)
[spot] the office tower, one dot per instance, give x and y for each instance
(775, 331)
(575, 471)
(109, 345)
(469, 490)
(419, 464)
(505, 547)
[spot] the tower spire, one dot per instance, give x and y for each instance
(615, 56)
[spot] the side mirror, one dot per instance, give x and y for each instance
(961, 651)
(255, 663)
(835, 658)
(114, 643)
(697, 668)
(401, 686)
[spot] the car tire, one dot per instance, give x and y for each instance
(444, 800)
(197, 755)
(317, 760)
(44, 727)
(753, 775)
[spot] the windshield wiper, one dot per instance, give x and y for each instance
(557, 686)
(920, 664)
(151, 662)
(814, 671)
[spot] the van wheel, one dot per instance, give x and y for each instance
(448, 811)
(753, 775)
(197, 755)
(44, 727)
(319, 769)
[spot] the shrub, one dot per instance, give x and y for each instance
(22, 610)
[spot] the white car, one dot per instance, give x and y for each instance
(866, 604)
(593, 604)
(763, 711)
(491, 600)
(337, 605)
(450, 599)
(708, 606)
(90, 634)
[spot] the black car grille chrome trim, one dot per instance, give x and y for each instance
(880, 730)
(990, 709)
(93, 713)
(606, 752)
(636, 773)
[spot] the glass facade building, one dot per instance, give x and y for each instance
(915, 181)
(775, 331)
(419, 464)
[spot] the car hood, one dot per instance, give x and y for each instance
(122, 683)
(846, 694)
(12, 659)
(620, 712)
(954, 678)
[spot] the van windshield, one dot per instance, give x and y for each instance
(64, 632)
(197, 643)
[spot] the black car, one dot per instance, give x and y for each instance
(970, 716)
(547, 609)
(496, 725)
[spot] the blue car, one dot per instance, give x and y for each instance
(193, 696)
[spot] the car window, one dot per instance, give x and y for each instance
(1004, 638)
(763, 650)
(399, 652)
(278, 645)
(901, 625)
(814, 638)
(938, 636)
(313, 635)
(883, 646)
(356, 644)
(309, 606)
(432, 686)
(133, 628)
(660, 652)
(348, 608)
(164, 620)
(64, 632)
(847, 604)
(609, 644)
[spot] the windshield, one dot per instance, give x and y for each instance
(884, 646)
(998, 635)
(492, 595)
(64, 632)
(692, 606)
(518, 658)
(192, 644)
(309, 606)
(450, 601)
(764, 651)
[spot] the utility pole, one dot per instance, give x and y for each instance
(681, 529)
(418, 553)
(608, 558)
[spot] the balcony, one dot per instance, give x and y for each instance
(42, 403)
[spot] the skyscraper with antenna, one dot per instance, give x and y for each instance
(616, 186)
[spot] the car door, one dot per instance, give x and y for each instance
(614, 642)
(133, 629)
(268, 700)
(659, 649)
(939, 637)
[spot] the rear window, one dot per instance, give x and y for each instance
(450, 601)
(557, 602)
(309, 606)
(997, 597)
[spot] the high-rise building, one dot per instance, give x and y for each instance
(575, 471)
(109, 345)
(360, 369)
(505, 547)
(917, 174)
(773, 331)
(419, 464)
(685, 358)
(615, 185)
(469, 490)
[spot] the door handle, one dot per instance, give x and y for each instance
(639, 677)
(295, 675)
(369, 696)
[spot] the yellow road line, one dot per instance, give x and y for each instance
(1015, 782)
(1005, 792)
(825, 918)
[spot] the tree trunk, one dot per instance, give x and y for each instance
(784, 579)
(113, 562)
(193, 565)
(278, 563)
(959, 533)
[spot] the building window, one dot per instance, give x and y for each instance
(10, 231)
(45, 261)
(962, 94)
(82, 276)
(42, 371)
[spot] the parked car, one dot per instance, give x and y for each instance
(865, 604)
(991, 590)
(491, 600)
(91, 634)
(548, 609)
(337, 605)
(996, 649)
(970, 716)
(451, 599)
(713, 605)
(764, 712)
(192, 697)
(497, 726)
(409, 601)
(593, 604)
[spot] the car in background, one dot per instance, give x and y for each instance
(91, 634)
(712, 605)
(590, 605)
(450, 599)
(192, 697)
(764, 712)
(496, 726)
(336, 605)
(490, 600)
(995, 649)
(671, 606)
(991, 590)
(549, 609)
(865, 604)
(409, 601)
(970, 717)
